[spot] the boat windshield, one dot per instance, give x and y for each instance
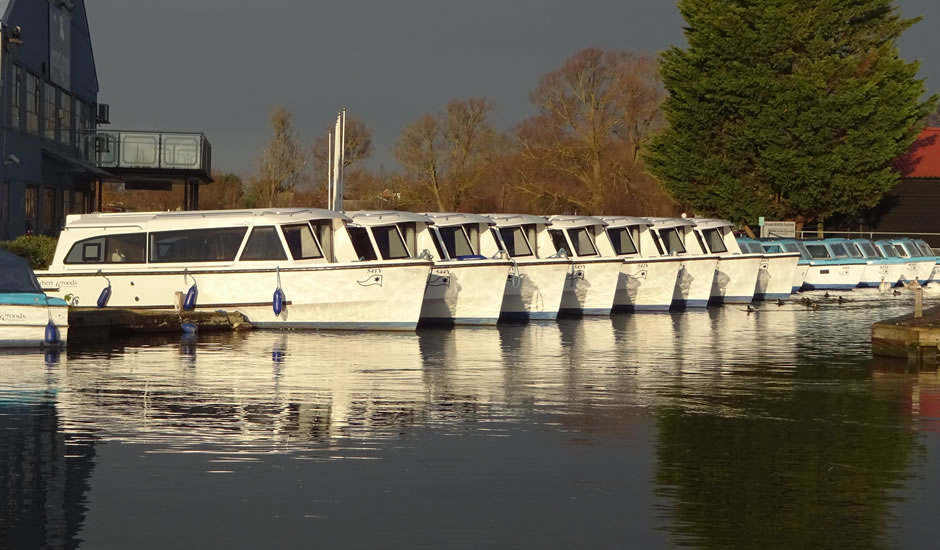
(263, 244)
(869, 250)
(818, 251)
(455, 241)
(888, 251)
(838, 251)
(854, 251)
(558, 241)
(775, 248)
(622, 241)
(301, 242)
(715, 243)
(389, 242)
(581, 241)
(901, 251)
(671, 241)
(924, 248)
(514, 240)
(361, 243)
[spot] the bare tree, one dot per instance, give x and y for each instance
(281, 165)
(419, 150)
(358, 147)
(581, 150)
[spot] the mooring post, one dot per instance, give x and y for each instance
(918, 302)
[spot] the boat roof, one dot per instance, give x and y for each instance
(382, 217)
(671, 222)
(458, 218)
(575, 221)
(195, 218)
(16, 276)
(505, 220)
(711, 223)
(625, 221)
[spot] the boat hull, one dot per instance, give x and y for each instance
(799, 276)
(833, 276)
(646, 284)
(24, 319)
(775, 277)
(590, 286)
(533, 289)
(694, 283)
(464, 293)
(380, 296)
(736, 279)
(876, 272)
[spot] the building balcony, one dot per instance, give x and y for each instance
(153, 154)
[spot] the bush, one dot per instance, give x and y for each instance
(37, 249)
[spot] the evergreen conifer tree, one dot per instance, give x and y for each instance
(790, 110)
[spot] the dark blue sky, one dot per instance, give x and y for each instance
(218, 67)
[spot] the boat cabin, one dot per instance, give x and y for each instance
(677, 237)
(141, 240)
(459, 236)
(716, 236)
(393, 234)
(632, 237)
(524, 235)
(580, 237)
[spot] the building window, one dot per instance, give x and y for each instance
(31, 209)
(16, 104)
(65, 118)
(4, 210)
(48, 211)
(50, 114)
(32, 103)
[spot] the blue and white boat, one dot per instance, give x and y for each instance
(776, 246)
(777, 270)
(881, 271)
(28, 318)
(918, 267)
(830, 267)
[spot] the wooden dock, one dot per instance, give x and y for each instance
(911, 337)
(88, 325)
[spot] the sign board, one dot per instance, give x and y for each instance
(778, 229)
(60, 46)
(760, 221)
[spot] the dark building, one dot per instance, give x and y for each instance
(911, 207)
(52, 157)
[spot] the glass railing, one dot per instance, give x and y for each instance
(152, 150)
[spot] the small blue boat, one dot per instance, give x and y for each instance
(28, 318)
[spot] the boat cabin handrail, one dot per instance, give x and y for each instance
(192, 219)
(711, 223)
(614, 222)
(568, 221)
(443, 219)
(384, 217)
(510, 220)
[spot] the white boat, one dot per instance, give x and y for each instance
(736, 277)
(534, 287)
(280, 268)
(694, 283)
(919, 267)
(775, 246)
(778, 270)
(648, 276)
(592, 282)
(460, 288)
(28, 318)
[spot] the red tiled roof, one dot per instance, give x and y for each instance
(923, 157)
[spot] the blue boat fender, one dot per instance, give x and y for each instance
(189, 328)
(104, 296)
(52, 334)
(278, 302)
(189, 302)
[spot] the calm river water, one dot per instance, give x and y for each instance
(713, 429)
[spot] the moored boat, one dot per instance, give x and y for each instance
(778, 270)
(280, 268)
(880, 272)
(648, 276)
(676, 238)
(592, 282)
(534, 287)
(736, 276)
(828, 272)
(28, 317)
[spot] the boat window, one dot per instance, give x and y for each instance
(854, 250)
(701, 243)
(924, 248)
(389, 242)
(838, 251)
(581, 241)
(324, 232)
(791, 247)
(438, 242)
(499, 239)
(869, 250)
(196, 245)
(657, 242)
(775, 248)
(911, 249)
(715, 243)
(301, 242)
(263, 244)
(515, 242)
(756, 248)
(559, 242)
(818, 251)
(456, 242)
(900, 250)
(127, 248)
(409, 231)
(888, 251)
(361, 243)
(672, 242)
(473, 233)
(622, 242)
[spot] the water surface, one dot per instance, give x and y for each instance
(710, 429)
